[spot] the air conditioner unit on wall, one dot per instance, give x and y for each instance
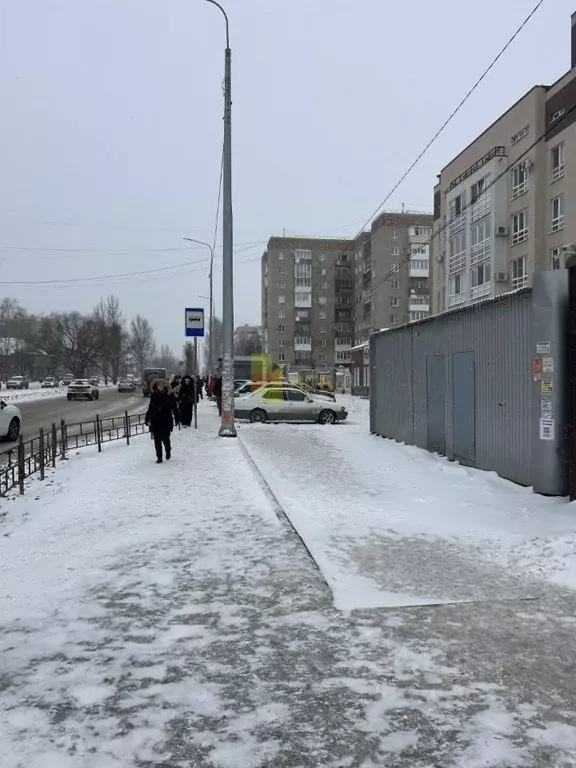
(501, 277)
(502, 231)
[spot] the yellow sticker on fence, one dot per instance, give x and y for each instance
(546, 387)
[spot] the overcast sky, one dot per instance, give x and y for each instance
(111, 130)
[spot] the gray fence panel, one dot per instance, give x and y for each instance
(391, 386)
(498, 334)
(464, 406)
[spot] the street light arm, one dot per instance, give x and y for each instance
(226, 18)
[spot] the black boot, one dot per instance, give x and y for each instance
(159, 459)
(168, 454)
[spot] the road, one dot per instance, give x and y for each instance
(43, 413)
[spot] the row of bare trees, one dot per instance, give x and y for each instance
(77, 343)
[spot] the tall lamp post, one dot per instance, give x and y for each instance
(227, 427)
(210, 277)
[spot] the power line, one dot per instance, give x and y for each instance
(446, 123)
(108, 250)
(473, 202)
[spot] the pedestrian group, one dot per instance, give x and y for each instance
(171, 404)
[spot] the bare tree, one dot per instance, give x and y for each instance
(166, 359)
(73, 341)
(189, 357)
(218, 341)
(247, 346)
(142, 343)
(114, 337)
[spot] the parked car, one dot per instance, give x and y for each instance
(82, 389)
(10, 421)
(287, 403)
(49, 382)
(18, 382)
(126, 385)
(254, 386)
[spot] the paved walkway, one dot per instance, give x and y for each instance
(167, 616)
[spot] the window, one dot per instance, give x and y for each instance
(301, 340)
(395, 285)
(394, 268)
(558, 164)
(281, 357)
(322, 357)
(480, 241)
(456, 285)
(418, 315)
(519, 227)
(394, 302)
(395, 251)
(519, 276)
(281, 342)
(303, 282)
(295, 395)
(323, 271)
(301, 297)
(303, 270)
(273, 394)
(456, 205)
(394, 234)
(324, 285)
(558, 114)
(281, 314)
(322, 329)
(281, 284)
(323, 342)
(393, 318)
(281, 328)
(519, 180)
(322, 257)
(281, 271)
(476, 189)
(419, 231)
(322, 315)
(344, 341)
(481, 275)
(281, 299)
(322, 301)
(557, 212)
(556, 258)
(281, 255)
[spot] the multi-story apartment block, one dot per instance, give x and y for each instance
(500, 206)
(391, 270)
(307, 303)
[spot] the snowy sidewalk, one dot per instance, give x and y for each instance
(166, 616)
(393, 525)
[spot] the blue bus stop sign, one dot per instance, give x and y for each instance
(194, 321)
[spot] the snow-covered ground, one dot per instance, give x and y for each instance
(34, 392)
(170, 616)
(391, 525)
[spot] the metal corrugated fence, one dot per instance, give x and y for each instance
(474, 362)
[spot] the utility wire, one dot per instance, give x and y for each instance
(473, 202)
(445, 124)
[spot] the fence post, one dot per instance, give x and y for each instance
(42, 454)
(21, 466)
(63, 439)
(54, 444)
(98, 435)
(127, 421)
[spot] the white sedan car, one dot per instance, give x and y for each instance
(287, 404)
(82, 389)
(10, 421)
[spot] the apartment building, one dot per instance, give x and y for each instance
(501, 206)
(307, 303)
(391, 272)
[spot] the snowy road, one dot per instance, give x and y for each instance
(168, 616)
(44, 412)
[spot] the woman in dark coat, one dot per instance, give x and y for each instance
(161, 416)
(186, 400)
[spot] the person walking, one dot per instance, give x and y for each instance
(199, 388)
(217, 392)
(161, 416)
(186, 400)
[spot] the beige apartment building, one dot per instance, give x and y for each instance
(501, 207)
(391, 272)
(307, 303)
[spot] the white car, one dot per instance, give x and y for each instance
(261, 386)
(17, 382)
(287, 404)
(82, 389)
(10, 421)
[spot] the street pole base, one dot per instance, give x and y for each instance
(228, 431)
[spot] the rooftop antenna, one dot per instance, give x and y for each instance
(284, 232)
(403, 204)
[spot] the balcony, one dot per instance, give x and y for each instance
(419, 268)
(479, 291)
(416, 306)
